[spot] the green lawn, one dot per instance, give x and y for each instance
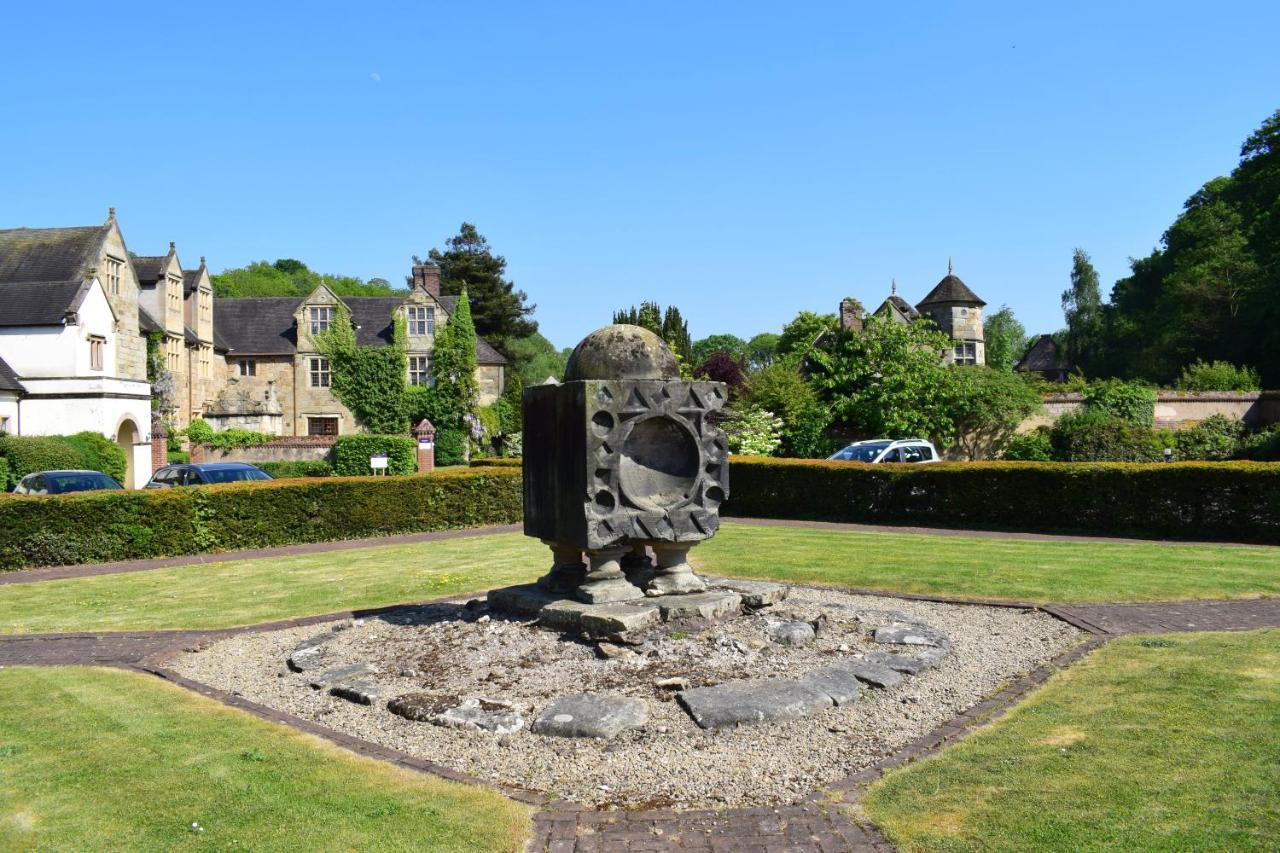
(95, 759)
(1038, 571)
(219, 595)
(1153, 743)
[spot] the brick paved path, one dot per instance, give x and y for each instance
(821, 824)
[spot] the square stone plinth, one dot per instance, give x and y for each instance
(602, 619)
(525, 600)
(705, 605)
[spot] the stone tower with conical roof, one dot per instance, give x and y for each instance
(957, 310)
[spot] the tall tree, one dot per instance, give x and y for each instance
(291, 277)
(1006, 339)
(668, 325)
(453, 365)
(798, 335)
(467, 263)
(762, 350)
(1082, 306)
(730, 344)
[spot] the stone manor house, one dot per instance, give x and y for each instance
(952, 306)
(77, 308)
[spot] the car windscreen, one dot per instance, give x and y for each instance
(60, 484)
(861, 452)
(233, 475)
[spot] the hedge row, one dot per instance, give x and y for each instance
(1235, 501)
(285, 470)
(106, 526)
(496, 462)
(351, 453)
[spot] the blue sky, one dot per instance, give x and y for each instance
(742, 160)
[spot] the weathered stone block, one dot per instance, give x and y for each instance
(342, 674)
(909, 635)
(605, 619)
(791, 633)
(525, 600)
(564, 615)
(597, 715)
(874, 674)
(360, 692)
(838, 681)
(752, 702)
(481, 715)
(713, 604)
(756, 594)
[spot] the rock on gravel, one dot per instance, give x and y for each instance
(595, 715)
(481, 715)
(792, 633)
(754, 701)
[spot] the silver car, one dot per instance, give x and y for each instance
(916, 451)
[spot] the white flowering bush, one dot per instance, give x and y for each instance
(752, 431)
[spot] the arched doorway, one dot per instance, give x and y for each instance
(126, 438)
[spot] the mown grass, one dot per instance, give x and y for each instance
(1152, 743)
(95, 759)
(219, 595)
(979, 567)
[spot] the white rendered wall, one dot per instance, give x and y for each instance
(59, 351)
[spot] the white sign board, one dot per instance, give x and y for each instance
(378, 462)
(425, 443)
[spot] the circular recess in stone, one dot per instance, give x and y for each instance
(660, 463)
(715, 496)
(601, 423)
(605, 501)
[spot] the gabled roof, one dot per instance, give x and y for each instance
(263, 325)
(148, 323)
(950, 289)
(50, 254)
(40, 303)
(1044, 356)
(897, 305)
(9, 379)
(148, 268)
(190, 281)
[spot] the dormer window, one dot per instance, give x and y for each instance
(422, 320)
(321, 318)
(97, 352)
(113, 276)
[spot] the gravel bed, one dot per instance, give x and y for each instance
(454, 652)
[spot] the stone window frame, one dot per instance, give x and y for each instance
(97, 352)
(114, 266)
(965, 353)
(247, 367)
(319, 318)
(173, 290)
(421, 320)
(315, 419)
(319, 372)
(420, 371)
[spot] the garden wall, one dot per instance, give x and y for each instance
(1180, 409)
(1231, 501)
(105, 526)
(305, 448)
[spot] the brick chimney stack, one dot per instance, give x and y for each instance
(427, 277)
(850, 315)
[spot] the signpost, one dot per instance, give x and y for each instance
(378, 462)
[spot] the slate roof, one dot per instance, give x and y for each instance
(147, 323)
(9, 379)
(263, 325)
(1043, 357)
(148, 268)
(49, 254)
(950, 289)
(902, 306)
(190, 279)
(39, 303)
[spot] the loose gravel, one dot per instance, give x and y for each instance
(454, 652)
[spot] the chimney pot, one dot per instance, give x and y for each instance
(426, 276)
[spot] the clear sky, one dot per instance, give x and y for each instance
(743, 160)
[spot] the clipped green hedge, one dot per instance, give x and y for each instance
(105, 526)
(99, 453)
(28, 453)
(1235, 501)
(451, 447)
(496, 462)
(351, 454)
(6, 481)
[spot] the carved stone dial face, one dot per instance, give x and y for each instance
(660, 464)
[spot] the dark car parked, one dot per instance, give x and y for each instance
(206, 474)
(62, 482)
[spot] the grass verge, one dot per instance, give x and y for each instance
(96, 759)
(1152, 743)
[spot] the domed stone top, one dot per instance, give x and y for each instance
(622, 352)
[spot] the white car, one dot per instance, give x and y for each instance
(913, 450)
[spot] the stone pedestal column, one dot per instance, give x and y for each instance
(605, 580)
(567, 569)
(673, 574)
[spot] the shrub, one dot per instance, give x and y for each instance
(1213, 439)
(28, 453)
(300, 468)
(1218, 376)
(1033, 446)
(1237, 501)
(722, 367)
(451, 447)
(120, 525)
(752, 430)
(1092, 436)
(1131, 402)
(99, 453)
(199, 431)
(176, 457)
(495, 462)
(6, 483)
(351, 453)
(1261, 446)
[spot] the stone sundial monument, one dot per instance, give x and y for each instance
(621, 457)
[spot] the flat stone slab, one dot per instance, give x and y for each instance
(604, 619)
(481, 715)
(752, 701)
(597, 715)
(875, 674)
(756, 594)
(564, 614)
(909, 635)
(341, 674)
(523, 600)
(791, 633)
(838, 681)
(710, 605)
(360, 692)
(419, 707)
(910, 664)
(309, 653)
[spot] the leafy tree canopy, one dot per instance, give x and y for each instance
(1218, 376)
(732, 345)
(668, 325)
(290, 277)
(762, 350)
(720, 366)
(987, 406)
(798, 335)
(534, 358)
(1006, 339)
(467, 263)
